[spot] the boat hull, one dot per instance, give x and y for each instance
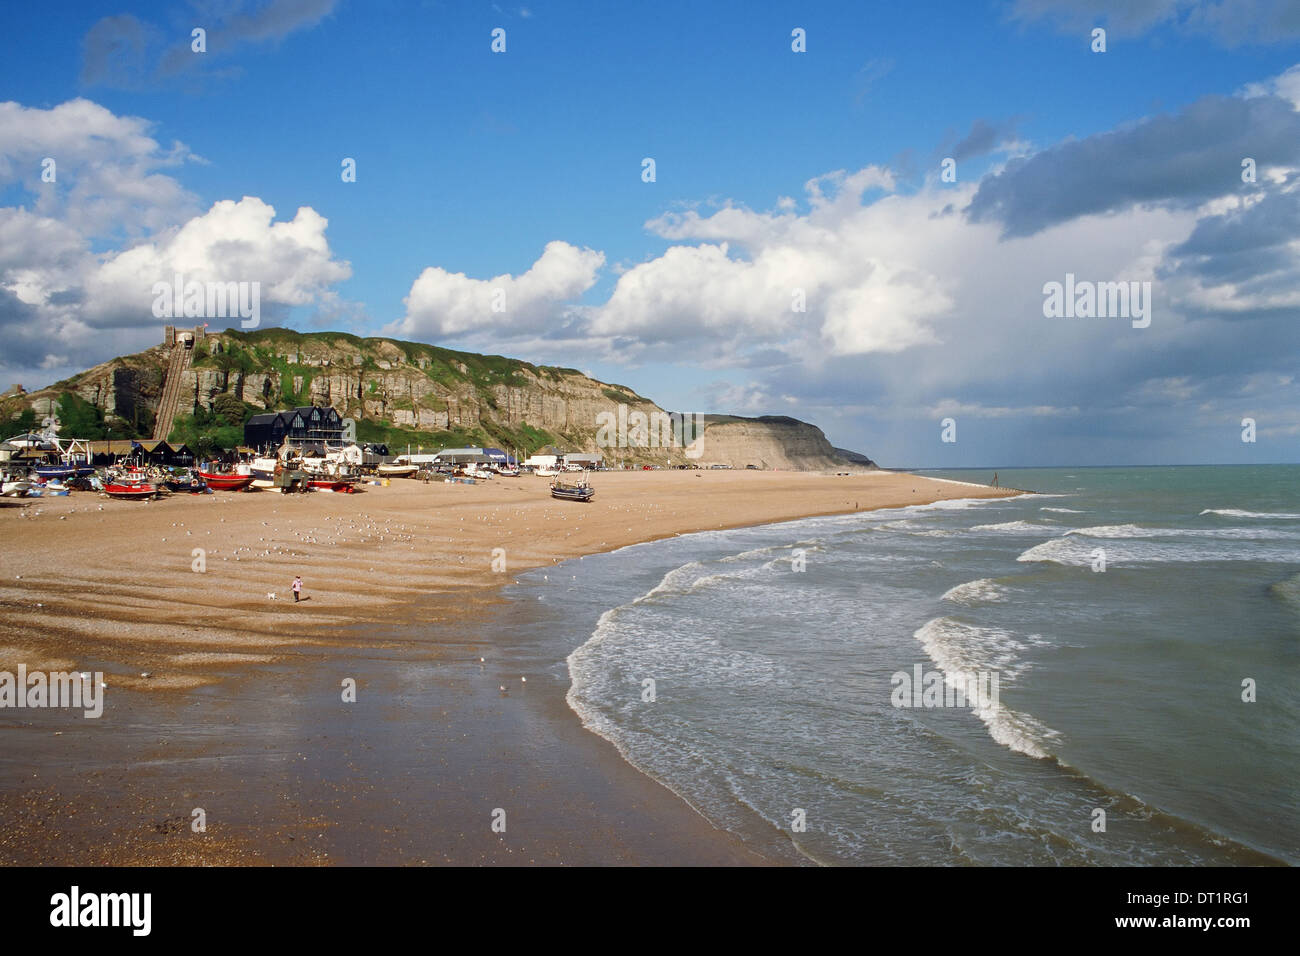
(570, 493)
(226, 482)
(325, 484)
(130, 492)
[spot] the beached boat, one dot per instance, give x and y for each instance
(576, 492)
(397, 471)
(14, 487)
(185, 485)
(344, 485)
(130, 491)
(226, 482)
(541, 471)
(63, 471)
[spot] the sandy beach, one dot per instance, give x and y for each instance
(241, 711)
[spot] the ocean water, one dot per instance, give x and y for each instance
(765, 695)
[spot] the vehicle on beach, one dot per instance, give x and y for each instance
(578, 491)
(288, 480)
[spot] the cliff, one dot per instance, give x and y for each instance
(773, 442)
(407, 391)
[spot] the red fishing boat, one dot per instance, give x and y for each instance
(344, 485)
(130, 491)
(226, 482)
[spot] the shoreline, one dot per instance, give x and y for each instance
(407, 572)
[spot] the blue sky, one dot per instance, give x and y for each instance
(495, 164)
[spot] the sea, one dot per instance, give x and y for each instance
(1142, 624)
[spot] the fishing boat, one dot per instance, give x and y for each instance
(576, 492)
(14, 487)
(542, 471)
(344, 485)
(185, 484)
(397, 471)
(226, 482)
(130, 491)
(63, 471)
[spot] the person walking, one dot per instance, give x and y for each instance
(995, 479)
(297, 588)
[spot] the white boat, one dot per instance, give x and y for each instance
(397, 471)
(541, 471)
(15, 487)
(263, 469)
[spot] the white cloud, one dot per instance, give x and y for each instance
(58, 293)
(443, 303)
(859, 290)
(106, 167)
(231, 242)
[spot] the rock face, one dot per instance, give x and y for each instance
(772, 442)
(432, 389)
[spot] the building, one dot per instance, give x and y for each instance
(298, 426)
(145, 451)
(464, 456)
(585, 459)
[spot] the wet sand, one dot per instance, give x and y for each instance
(242, 712)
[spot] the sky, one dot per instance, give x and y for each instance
(856, 214)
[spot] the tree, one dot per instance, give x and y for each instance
(231, 360)
(78, 418)
(205, 433)
(230, 410)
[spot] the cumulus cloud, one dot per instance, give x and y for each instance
(231, 242)
(832, 279)
(451, 304)
(67, 302)
(958, 328)
(107, 168)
